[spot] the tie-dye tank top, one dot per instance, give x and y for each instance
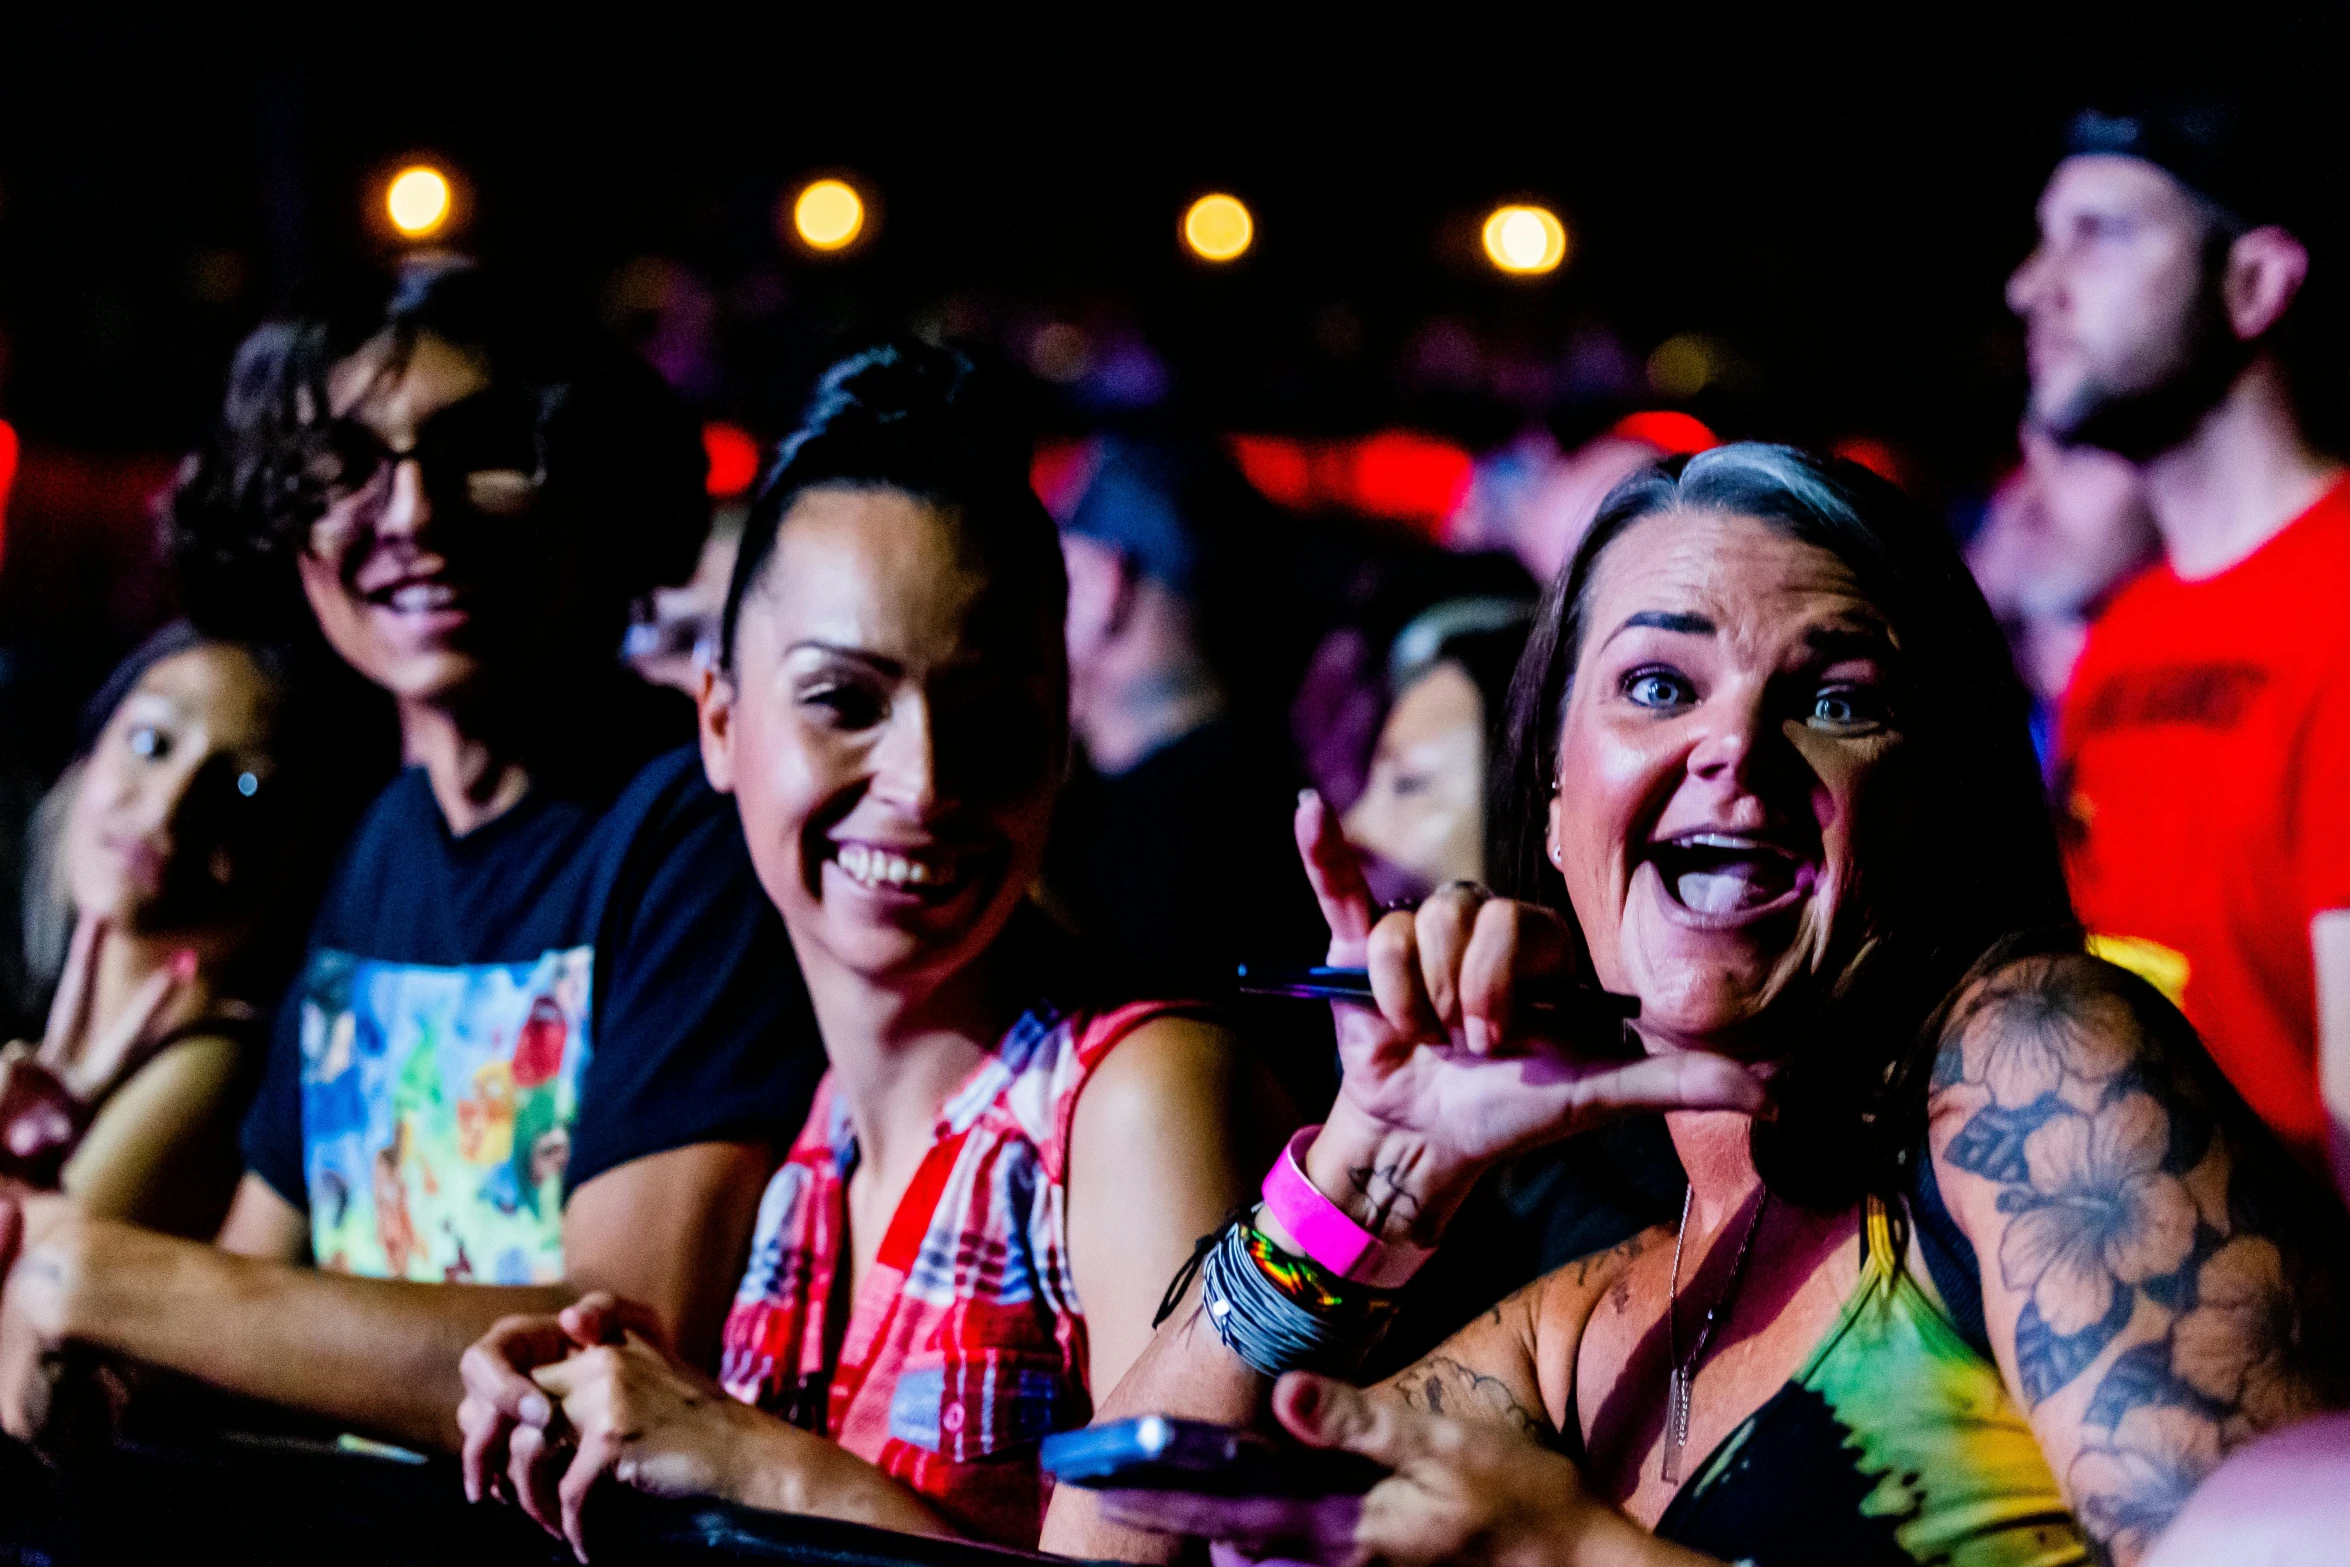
(1896, 1444)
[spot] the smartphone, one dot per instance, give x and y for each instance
(1160, 1453)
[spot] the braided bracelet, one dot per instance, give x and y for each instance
(1280, 1313)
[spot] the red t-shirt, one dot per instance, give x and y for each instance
(2206, 781)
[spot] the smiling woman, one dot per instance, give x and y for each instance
(1008, 1155)
(1983, 1262)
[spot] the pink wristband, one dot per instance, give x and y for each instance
(1324, 1232)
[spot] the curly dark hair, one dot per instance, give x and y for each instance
(615, 446)
(1849, 1107)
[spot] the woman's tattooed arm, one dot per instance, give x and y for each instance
(2155, 1271)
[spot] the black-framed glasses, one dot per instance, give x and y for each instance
(481, 453)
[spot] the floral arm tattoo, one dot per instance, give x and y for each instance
(2167, 1277)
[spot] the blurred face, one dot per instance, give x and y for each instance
(435, 563)
(2128, 342)
(2068, 529)
(174, 787)
(893, 731)
(1422, 811)
(682, 636)
(1731, 787)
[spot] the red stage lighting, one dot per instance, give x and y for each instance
(1395, 474)
(1872, 454)
(1281, 470)
(1676, 434)
(1059, 474)
(734, 459)
(7, 480)
(1410, 478)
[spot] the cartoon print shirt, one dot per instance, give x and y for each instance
(483, 1023)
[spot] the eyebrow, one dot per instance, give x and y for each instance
(1666, 620)
(854, 655)
(1851, 642)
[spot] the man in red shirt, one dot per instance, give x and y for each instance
(2205, 740)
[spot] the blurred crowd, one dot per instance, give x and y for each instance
(761, 999)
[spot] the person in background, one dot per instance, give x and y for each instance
(1166, 849)
(1420, 821)
(1421, 825)
(189, 825)
(2063, 534)
(1535, 497)
(1008, 1156)
(676, 637)
(2180, 307)
(548, 1031)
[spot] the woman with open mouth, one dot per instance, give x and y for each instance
(1006, 1159)
(1980, 1260)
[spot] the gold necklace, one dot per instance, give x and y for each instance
(1684, 1372)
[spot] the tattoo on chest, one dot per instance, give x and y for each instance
(2150, 1240)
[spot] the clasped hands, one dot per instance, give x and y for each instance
(554, 1404)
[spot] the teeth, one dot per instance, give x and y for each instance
(422, 596)
(878, 867)
(1718, 840)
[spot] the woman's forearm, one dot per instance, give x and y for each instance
(1185, 1370)
(793, 1472)
(380, 1354)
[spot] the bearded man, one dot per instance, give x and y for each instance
(2174, 305)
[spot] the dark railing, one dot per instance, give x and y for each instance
(229, 1497)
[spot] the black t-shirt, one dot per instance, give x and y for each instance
(484, 1023)
(1184, 864)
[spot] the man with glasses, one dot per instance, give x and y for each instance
(548, 1029)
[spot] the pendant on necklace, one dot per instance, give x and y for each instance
(1676, 1425)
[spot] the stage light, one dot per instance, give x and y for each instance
(417, 201)
(734, 459)
(1218, 228)
(8, 450)
(1666, 430)
(829, 215)
(1525, 241)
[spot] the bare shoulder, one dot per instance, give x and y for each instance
(2156, 1271)
(1172, 1050)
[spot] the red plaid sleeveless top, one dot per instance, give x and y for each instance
(965, 1345)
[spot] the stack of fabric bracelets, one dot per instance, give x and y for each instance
(1323, 1311)
(1283, 1313)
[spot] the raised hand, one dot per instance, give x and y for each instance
(1448, 1074)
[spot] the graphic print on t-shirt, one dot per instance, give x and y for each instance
(437, 1105)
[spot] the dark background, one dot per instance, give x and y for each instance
(1829, 201)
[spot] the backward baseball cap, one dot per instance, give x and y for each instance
(1135, 501)
(2249, 163)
